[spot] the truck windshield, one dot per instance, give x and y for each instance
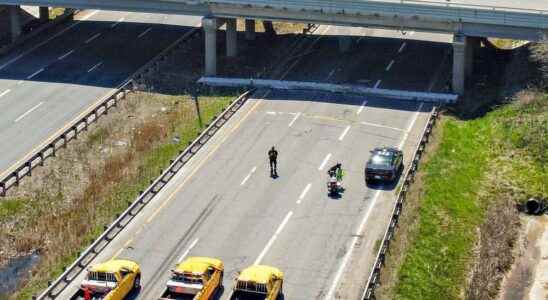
(187, 278)
(102, 276)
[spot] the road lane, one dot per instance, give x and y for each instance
(206, 210)
(86, 72)
(236, 223)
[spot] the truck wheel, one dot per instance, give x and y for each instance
(137, 282)
(221, 279)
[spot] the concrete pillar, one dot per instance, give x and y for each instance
(269, 28)
(210, 29)
(250, 30)
(459, 63)
(15, 22)
(472, 46)
(345, 43)
(44, 13)
(231, 38)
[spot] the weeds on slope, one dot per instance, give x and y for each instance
(463, 225)
(60, 217)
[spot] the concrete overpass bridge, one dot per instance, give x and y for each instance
(467, 22)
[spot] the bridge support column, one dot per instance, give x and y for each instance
(210, 29)
(463, 60)
(472, 46)
(269, 28)
(345, 43)
(249, 30)
(231, 38)
(44, 13)
(15, 22)
(459, 63)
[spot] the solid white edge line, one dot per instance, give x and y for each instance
(343, 134)
(382, 126)
(95, 67)
(188, 250)
(273, 238)
(28, 112)
(144, 32)
(402, 47)
(389, 65)
(294, 119)
(361, 107)
(92, 38)
(303, 193)
(362, 224)
(377, 84)
(353, 242)
(35, 73)
(65, 55)
(117, 22)
(5, 92)
(46, 41)
(325, 160)
(248, 175)
(411, 124)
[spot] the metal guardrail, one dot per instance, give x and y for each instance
(465, 5)
(142, 200)
(369, 292)
(91, 115)
(465, 13)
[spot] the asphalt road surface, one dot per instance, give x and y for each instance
(44, 88)
(224, 203)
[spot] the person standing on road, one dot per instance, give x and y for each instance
(273, 157)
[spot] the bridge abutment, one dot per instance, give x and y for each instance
(15, 21)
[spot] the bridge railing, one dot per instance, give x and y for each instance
(473, 6)
(442, 11)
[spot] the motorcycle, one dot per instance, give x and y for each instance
(333, 185)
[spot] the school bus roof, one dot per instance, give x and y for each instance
(113, 266)
(259, 274)
(198, 265)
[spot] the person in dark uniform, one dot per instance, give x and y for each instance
(272, 157)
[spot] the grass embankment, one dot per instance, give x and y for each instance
(502, 153)
(112, 163)
(461, 224)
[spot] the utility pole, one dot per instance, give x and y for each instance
(194, 96)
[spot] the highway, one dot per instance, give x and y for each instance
(224, 204)
(44, 87)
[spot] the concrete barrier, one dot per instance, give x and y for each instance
(329, 87)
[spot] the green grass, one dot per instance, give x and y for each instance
(150, 164)
(11, 207)
(510, 140)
